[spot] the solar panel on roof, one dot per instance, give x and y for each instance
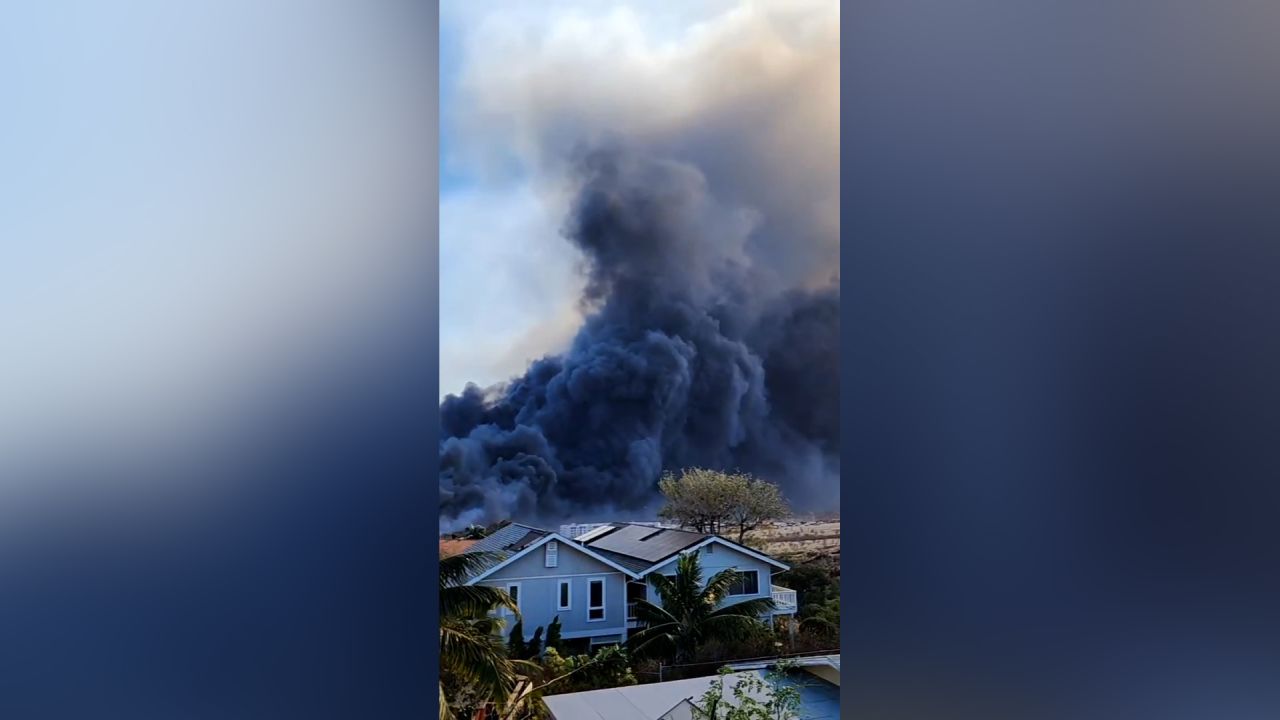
(642, 542)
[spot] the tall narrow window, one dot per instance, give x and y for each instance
(565, 595)
(513, 589)
(595, 599)
(553, 553)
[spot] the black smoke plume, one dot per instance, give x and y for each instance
(684, 359)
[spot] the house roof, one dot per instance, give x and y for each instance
(644, 542)
(640, 547)
(512, 541)
(635, 549)
(505, 542)
(634, 702)
(634, 565)
(453, 547)
(508, 538)
(818, 700)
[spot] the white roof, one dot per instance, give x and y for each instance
(800, 662)
(819, 700)
(634, 702)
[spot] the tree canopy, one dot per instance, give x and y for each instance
(712, 501)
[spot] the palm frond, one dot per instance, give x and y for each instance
(662, 585)
(818, 623)
(656, 641)
(727, 627)
(455, 569)
(650, 614)
(446, 713)
(753, 608)
(720, 583)
(476, 656)
(474, 600)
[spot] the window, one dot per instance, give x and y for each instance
(565, 595)
(513, 589)
(595, 599)
(636, 591)
(748, 583)
(553, 554)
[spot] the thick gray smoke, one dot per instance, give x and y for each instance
(692, 353)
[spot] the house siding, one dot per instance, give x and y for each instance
(540, 588)
(719, 559)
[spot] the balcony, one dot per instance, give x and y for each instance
(785, 599)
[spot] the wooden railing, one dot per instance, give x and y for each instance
(784, 598)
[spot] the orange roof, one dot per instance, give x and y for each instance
(453, 547)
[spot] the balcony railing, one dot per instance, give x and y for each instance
(784, 598)
(631, 611)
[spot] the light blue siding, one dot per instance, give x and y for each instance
(720, 558)
(540, 587)
(540, 592)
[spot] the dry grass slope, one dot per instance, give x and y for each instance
(798, 539)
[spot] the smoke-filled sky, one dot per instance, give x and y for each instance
(745, 91)
(643, 202)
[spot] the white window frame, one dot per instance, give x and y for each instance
(561, 594)
(604, 599)
(519, 597)
(745, 594)
(551, 554)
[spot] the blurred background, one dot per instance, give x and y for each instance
(1060, 284)
(217, 353)
(218, 359)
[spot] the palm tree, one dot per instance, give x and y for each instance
(471, 649)
(689, 615)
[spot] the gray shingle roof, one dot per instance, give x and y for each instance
(505, 542)
(633, 547)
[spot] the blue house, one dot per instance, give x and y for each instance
(593, 582)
